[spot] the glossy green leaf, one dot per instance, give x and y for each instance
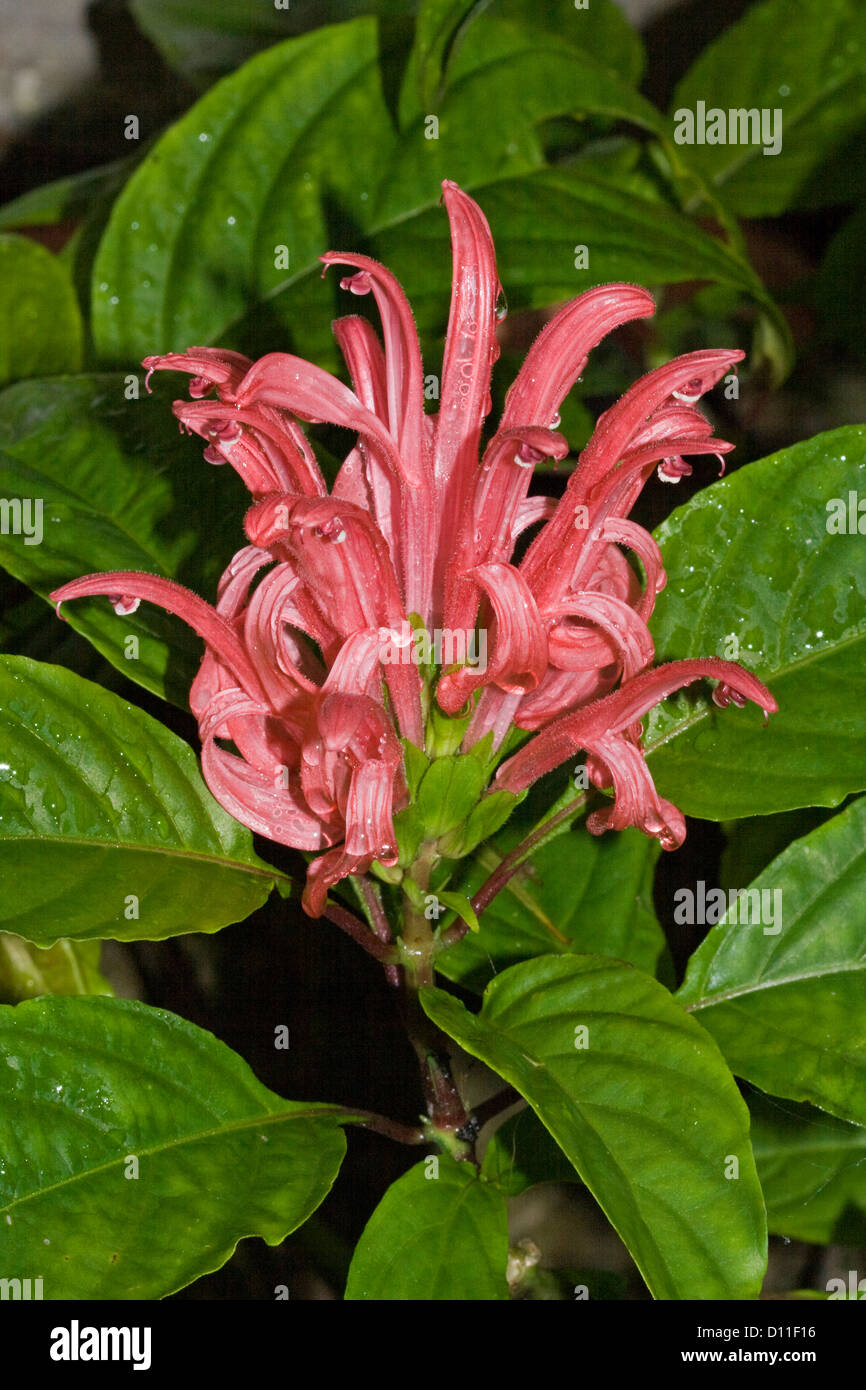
(195, 237)
(444, 27)
(68, 967)
(40, 322)
(807, 61)
(218, 233)
(522, 1153)
(579, 893)
(780, 981)
(753, 572)
(483, 821)
(137, 1150)
(120, 489)
(812, 1169)
(106, 827)
(438, 1234)
(642, 1104)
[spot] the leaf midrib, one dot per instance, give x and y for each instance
(248, 1122)
(838, 968)
(126, 845)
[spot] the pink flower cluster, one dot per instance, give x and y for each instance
(293, 673)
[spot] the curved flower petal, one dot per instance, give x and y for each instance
(270, 805)
(697, 371)
(209, 367)
(625, 630)
(559, 354)
(519, 656)
(615, 712)
(264, 445)
(470, 351)
(403, 371)
(279, 379)
(174, 598)
(486, 530)
(636, 800)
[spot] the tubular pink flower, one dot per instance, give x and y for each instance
(596, 727)
(310, 669)
(209, 367)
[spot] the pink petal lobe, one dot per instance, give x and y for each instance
(519, 642)
(279, 379)
(208, 366)
(617, 711)
(403, 371)
(559, 353)
(174, 598)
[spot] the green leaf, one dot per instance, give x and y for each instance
(580, 893)
(415, 764)
(813, 1171)
(807, 61)
(121, 489)
(89, 1085)
(106, 827)
(40, 322)
(784, 997)
(539, 218)
(449, 789)
(436, 31)
(438, 1234)
(194, 236)
(488, 816)
(445, 26)
(462, 906)
(68, 967)
(647, 1112)
(521, 1153)
(600, 29)
(298, 150)
(65, 198)
(751, 558)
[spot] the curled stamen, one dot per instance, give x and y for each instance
(670, 470)
(724, 695)
(123, 604)
(359, 283)
(527, 456)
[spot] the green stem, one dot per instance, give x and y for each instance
(447, 1114)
